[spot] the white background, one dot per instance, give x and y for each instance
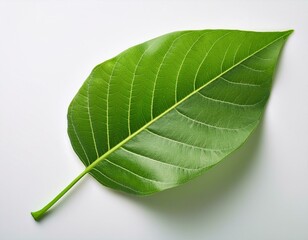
(47, 49)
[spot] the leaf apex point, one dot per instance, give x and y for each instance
(290, 31)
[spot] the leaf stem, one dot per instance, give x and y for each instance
(40, 213)
(37, 215)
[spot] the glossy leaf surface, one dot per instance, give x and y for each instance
(164, 111)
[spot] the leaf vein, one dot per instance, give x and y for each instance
(186, 144)
(252, 69)
(131, 92)
(158, 161)
(240, 83)
(116, 182)
(78, 139)
(107, 104)
(230, 103)
(137, 175)
(200, 65)
(158, 71)
(182, 63)
(210, 125)
(90, 118)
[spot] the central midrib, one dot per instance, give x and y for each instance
(116, 147)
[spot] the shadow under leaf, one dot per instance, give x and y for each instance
(203, 194)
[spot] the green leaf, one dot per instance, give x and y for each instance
(165, 111)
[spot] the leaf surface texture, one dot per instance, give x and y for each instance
(164, 111)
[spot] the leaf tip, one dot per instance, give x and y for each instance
(289, 32)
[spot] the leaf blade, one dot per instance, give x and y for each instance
(125, 171)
